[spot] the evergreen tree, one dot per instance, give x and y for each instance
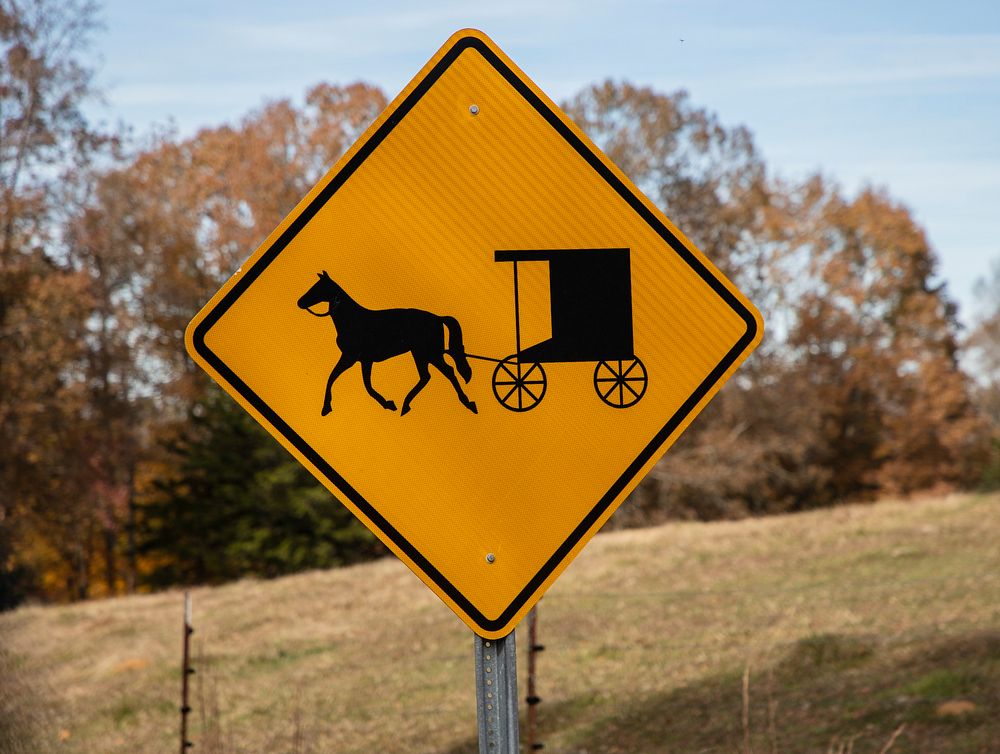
(236, 503)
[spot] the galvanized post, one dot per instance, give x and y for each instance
(496, 695)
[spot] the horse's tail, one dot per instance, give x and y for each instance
(456, 348)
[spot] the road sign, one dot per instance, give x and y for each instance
(477, 333)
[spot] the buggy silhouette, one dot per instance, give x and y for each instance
(591, 302)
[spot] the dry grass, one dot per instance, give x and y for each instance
(25, 727)
(856, 623)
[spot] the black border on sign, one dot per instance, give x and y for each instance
(241, 285)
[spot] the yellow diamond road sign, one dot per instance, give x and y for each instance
(477, 333)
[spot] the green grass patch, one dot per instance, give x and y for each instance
(942, 684)
(827, 651)
(124, 713)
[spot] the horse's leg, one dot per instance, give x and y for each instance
(425, 375)
(366, 372)
(445, 368)
(345, 363)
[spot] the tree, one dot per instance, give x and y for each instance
(879, 337)
(201, 205)
(984, 345)
(188, 214)
(42, 127)
(709, 180)
(236, 503)
(856, 390)
(984, 340)
(44, 301)
(105, 260)
(99, 249)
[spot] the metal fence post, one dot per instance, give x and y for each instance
(186, 670)
(533, 700)
(496, 695)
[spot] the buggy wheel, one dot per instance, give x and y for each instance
(517, 386)
(620, 383)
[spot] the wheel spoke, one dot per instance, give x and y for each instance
(528, 391)
(605, 395)
(505, 382)
(533, 368)
(631, 390)
(632, 366)
(621, 392)
(509, 394)
(507, 370)
(609, 379)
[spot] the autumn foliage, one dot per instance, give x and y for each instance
(107, 250)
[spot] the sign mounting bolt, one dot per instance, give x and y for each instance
(474, 109)
(490, 557)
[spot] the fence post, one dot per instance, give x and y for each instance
(533, 699)
(186, 671)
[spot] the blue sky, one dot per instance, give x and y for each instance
(900, 94)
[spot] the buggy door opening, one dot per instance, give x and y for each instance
(590, 291)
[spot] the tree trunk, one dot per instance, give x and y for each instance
(85, 552)
(132, 567)
(110, 560)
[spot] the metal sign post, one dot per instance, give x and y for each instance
(496, 695)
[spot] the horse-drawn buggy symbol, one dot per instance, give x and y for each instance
(591, 303)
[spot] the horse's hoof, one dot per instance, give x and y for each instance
(405, 411)
(391, 405)
(472, 407)
(326, 410)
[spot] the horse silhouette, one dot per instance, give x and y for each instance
(371, 335)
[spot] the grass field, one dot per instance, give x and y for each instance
(852, 622)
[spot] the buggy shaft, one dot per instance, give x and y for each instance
(483, 358)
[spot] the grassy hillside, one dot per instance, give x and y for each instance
(852, 621)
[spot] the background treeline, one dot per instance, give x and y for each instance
(122, 468)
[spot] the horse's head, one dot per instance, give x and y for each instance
(323, 289)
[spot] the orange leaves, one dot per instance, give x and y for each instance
(879, 334)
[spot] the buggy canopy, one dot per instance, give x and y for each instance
(591, 298)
